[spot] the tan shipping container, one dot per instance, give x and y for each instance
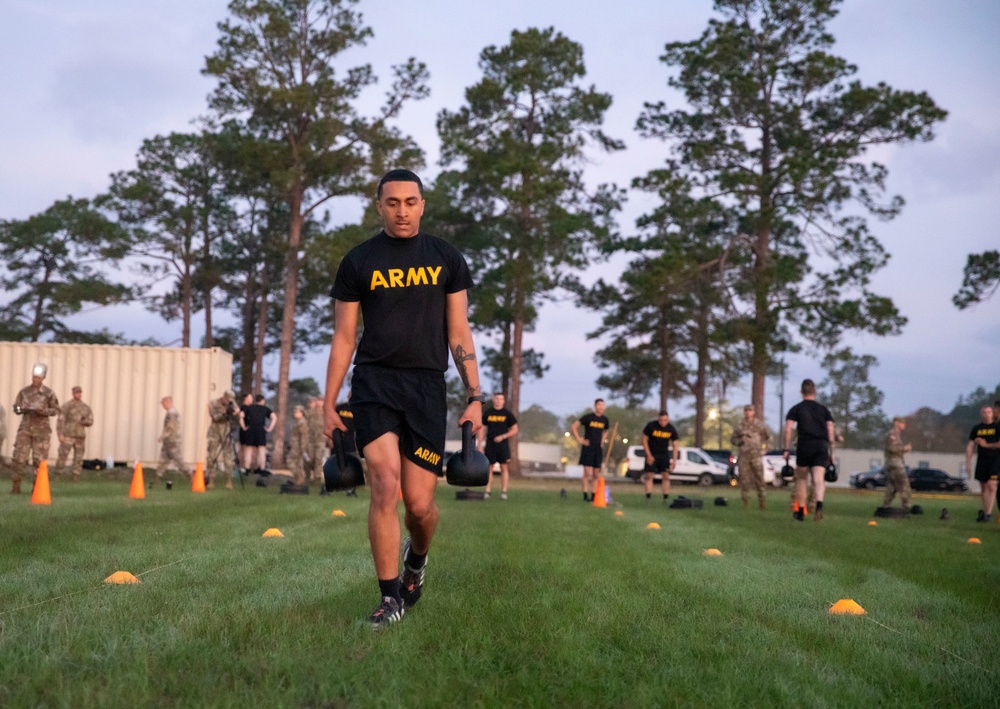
(123, 385)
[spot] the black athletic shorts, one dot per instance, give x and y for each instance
(660, 464)
(591, 456)
(255, 437)
(497, 452)
(411, 403)
(812, 454)
(987, 469)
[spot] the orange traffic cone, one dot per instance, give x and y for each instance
(41, 495)
(138, 490)
(599, 495)
(198, 482)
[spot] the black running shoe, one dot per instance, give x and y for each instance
(412, 585)
(981, 517)
(389, 611)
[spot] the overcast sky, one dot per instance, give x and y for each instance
(84, 82)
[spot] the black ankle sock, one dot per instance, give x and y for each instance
(389, 587)
(586, 497)
(415, 560)
(649, 495)
(819, 505)
(666, 496)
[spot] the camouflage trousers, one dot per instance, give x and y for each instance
(220, 456)
(296, 466)
(751, 477)
(29, 447)
(896, 483)
(317, 456)
(77, 446)
(170, 458)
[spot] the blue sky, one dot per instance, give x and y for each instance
(84, 83)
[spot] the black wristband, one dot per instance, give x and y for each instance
(479, 397)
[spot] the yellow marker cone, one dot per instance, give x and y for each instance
(41, 495)
(872, 523)
(121, 577)
(652, 525)
(975, 540)
(845, 606)
(273, 532)
(599, 497)
(138, 490)
(339, 513)
(713, 552)
(198, 481)
(618, 513)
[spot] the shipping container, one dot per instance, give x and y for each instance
(124, 386)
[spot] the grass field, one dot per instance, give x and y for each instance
(534, 602)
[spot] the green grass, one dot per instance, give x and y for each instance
(533, 602)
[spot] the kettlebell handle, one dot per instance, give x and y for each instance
(338, 447)
(467, 445)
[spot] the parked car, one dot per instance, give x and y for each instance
(774, 461)
(726, 457)
(693, 465)
(869, 480)
(934, 479)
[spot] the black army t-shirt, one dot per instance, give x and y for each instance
(497, 422)
(989, 432)
(402, 285)
(594, 427)
(811, 418)
(661, 438)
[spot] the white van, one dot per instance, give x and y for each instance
(693, 465)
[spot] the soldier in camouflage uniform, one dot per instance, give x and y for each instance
(751, 436)
(896, 480)
(222, 413)
(3, 429)
(298, 450)
(316, 445)
(35, 403)
(71, 428)
(170, 440)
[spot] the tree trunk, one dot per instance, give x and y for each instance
(187, 297)
(262, 323)
(288, 324)
(515, 388)
(248, 334)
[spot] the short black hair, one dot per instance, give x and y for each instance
(400, 175)
(598, 401)
(808, 387)
(259, 398)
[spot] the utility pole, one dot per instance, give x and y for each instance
(781, 403)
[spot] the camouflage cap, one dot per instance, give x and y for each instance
(77, 388)
(748, 407)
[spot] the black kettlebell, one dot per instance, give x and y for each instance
(342, 470)
(831, 473)
(787, 471)
(470, 468)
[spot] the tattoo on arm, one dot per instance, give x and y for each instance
(461, 357)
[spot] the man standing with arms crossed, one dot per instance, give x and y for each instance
(814, 449)
(750, 437)
(595, 432)
(410, 288)
(75, 418)
(896, 480)
(659, 441)
(499, 425)
(986, 437)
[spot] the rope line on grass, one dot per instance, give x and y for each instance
(899, 632)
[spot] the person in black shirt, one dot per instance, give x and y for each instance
(659, 440)
(814, 450)
(595, 432)
(256, 421)
(986, 437)
(410, 289)
(499, 425)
